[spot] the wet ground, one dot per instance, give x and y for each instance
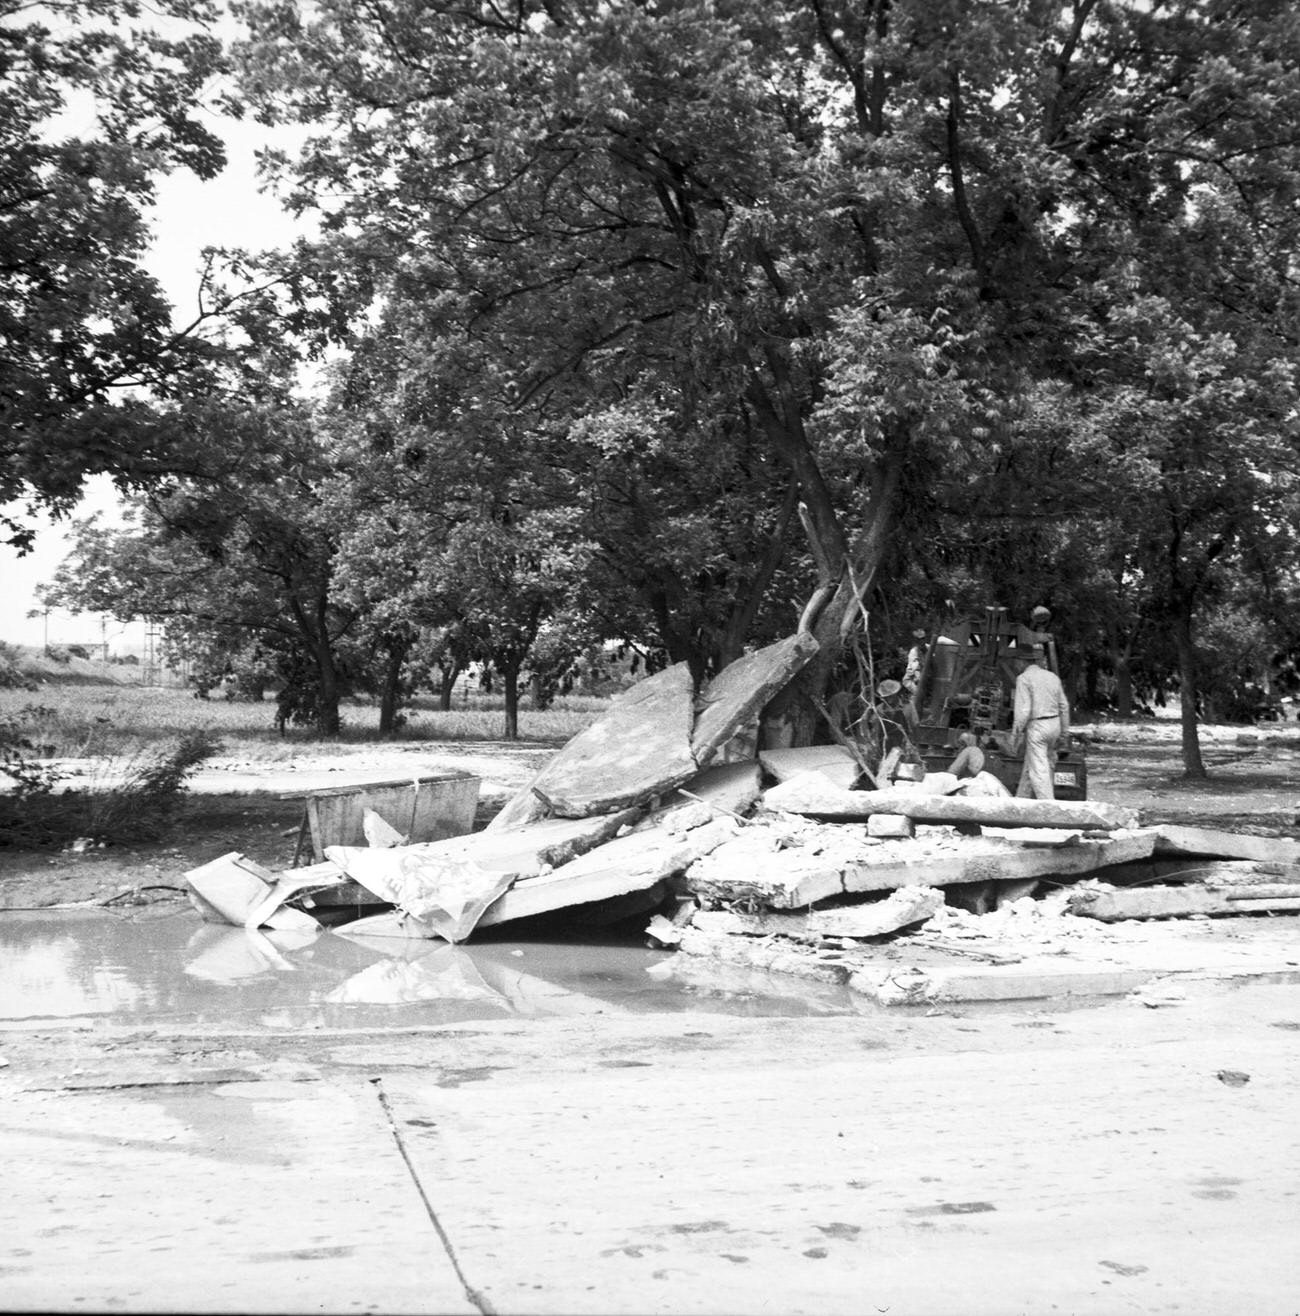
(162, 965)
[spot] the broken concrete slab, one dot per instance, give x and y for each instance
(446, 885)
(630, 863)
(1210, 843)
(812, 796)
(640, 748)
(234, 889)
(833, 762)
(446, 895)
(865, 919)
(772, 955)
(729, 788)
(1054, 836)
(1180, 901)
(748, 869)
(740, 691)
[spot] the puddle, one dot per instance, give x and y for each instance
(166, 965)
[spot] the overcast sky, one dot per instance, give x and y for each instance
(190, 215)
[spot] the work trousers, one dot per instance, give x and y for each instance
(1041, 738)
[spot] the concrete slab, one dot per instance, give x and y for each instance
(216, 1197)
(639, 748)
(833, 762)
(751, 868)
(1214, 844)
(740, 691)
(626, 864)
(812, 796)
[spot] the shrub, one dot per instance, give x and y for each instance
(139, 806)
(12, 676)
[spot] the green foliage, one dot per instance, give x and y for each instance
(12, 675)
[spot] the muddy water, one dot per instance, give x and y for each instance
(164, 965)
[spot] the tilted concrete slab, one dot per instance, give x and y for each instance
(1213, 844)
(812, 796)
(629, 863)
(741, 690)
(640, 748)
(445, 886)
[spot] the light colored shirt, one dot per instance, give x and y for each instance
(1039, 693)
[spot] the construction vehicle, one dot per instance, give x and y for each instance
(966, 683)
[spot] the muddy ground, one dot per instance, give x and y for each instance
(1253, 786)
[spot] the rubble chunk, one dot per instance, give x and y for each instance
(891, 826)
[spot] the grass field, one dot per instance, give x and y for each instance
(84, 721)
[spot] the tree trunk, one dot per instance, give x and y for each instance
(327, 709)
(447, 677)
(391, 691)
(510, 682)
(1123, 684)
(1193, 766)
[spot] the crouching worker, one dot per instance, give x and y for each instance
(1042, 722)
(968, 768)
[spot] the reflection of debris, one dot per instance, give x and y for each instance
(897, 892)
(234, 954)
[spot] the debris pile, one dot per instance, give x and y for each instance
(768, 860)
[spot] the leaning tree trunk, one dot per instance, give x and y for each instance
(836, 609)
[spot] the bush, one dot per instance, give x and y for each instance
(57, 655)
(12, 676)
(141, 806)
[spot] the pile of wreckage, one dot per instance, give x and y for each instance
(767, 859)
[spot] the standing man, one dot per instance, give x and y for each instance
(1042, 721)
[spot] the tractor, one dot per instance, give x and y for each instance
(966, 683)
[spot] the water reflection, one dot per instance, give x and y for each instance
(164, 964)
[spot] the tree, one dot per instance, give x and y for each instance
(220, 562)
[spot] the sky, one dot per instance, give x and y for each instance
(190, 214)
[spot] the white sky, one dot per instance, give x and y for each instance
(190, 215)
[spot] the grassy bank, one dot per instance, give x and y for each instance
(85, 721)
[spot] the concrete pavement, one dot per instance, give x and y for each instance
(962, 1160)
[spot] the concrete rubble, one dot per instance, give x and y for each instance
(769, 860)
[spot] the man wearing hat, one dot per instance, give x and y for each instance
(1041, 722)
